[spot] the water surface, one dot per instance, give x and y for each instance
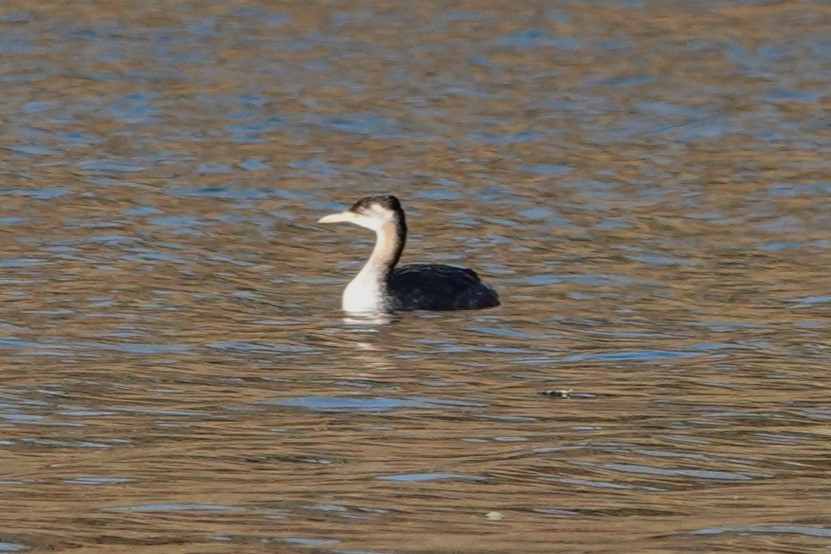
(645, 183)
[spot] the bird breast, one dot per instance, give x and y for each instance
(364, 294)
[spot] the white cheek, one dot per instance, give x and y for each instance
(368, 221)
(374, 218)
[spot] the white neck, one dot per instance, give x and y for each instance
(367, 291)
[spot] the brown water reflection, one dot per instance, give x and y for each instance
(645, 183)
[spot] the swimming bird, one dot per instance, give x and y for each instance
(381, 286)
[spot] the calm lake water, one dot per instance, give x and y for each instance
(646, 183)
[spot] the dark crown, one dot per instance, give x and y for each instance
(387, 200)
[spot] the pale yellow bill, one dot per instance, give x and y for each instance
(338, 218)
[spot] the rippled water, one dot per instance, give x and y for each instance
(646, 184)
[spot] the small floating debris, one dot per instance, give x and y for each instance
(495, 516)
(557, 393)
(566, 393)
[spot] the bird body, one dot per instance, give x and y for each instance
(381, 286)
(439, 287)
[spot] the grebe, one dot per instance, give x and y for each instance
(380, 286)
